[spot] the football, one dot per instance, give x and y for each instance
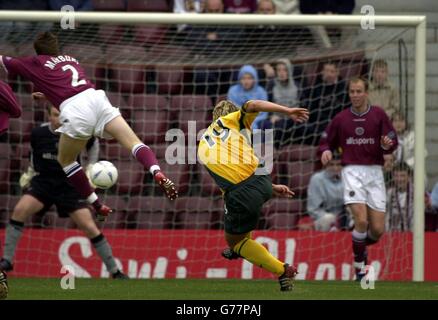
(103, 174)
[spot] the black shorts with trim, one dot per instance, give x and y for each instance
(54, 192)
(244, 202)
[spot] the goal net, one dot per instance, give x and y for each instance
(166, 79)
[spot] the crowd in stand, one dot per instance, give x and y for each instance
(281, 81)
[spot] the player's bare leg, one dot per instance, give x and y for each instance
(68, 152)
(26, 207)
(359, 234)
(376, 226)
(122, 132)
(257, 254)
(84, 220)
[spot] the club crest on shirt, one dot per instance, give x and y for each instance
(351, 194)
(359, 131)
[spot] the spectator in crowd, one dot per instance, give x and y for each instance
(323, 35)
(400, 200)
(326, 98)
(287, 6)
(382, 93)
(78, 5)
(406, 140)
(207, 42)
(248, 89)
(434, 197)
(240, 6)
(327, 6)
(187, 6)
(325, 202)
(283, 89)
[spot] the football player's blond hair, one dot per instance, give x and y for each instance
(223, 108)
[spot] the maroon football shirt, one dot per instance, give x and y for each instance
(59, 78)
(9, 106)
(358, 136)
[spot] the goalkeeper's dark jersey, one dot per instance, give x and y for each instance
(44, 143)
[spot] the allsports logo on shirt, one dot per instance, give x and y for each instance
(360, 141)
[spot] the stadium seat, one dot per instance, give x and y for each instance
(169, 79)
(20, 129)
(159, 150)
(109, 5)
(208, 185)
(297, 152)
(128, 78)
(150, 213)
(283, 214)
(51, 220)
(148, 35)
(149, 5)
(111, 34)
(114, 151)
(130, 179)
(350, 69)
(150, 117)
(298, 174)
(7, 204)
(5, 167)
(180, 174)
(118, 218)
(191, 108)
(120, 101)
(197, 212)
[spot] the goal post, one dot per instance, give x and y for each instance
(414, 22)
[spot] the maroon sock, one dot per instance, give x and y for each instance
(146, 157)
(359, 246)
(78, 179)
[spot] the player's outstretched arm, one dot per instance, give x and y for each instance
(282, 191)
(296, 114)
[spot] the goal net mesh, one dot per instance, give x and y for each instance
(163, 76)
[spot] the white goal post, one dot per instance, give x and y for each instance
(417, 22)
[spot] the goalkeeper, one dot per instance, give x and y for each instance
(226, 151)
(48, 185)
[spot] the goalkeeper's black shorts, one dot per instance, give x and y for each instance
(53, 192)
(244, 202)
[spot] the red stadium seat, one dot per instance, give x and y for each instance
(131, 175)
(149, 35)
(7, 205)
(159, 150)
(20, 129)
(180, 174)
(150, 117)
(120, 101)
(128, 78)
(114, 151)
(5, 167)
(297, 152)
(208, 185)
(350, 69)
(117, 219)
(283, 214)
(169, 79)
(191, 108)
(198, 213)
(109, 5)
(149, 5)
(150, 212)
(52, 220)
(298, 174)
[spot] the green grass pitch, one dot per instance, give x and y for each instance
(35, 288)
